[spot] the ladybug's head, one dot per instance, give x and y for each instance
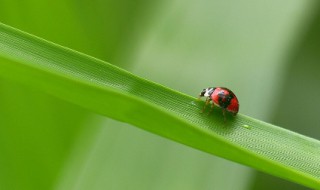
(206, 92)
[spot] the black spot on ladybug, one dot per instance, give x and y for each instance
(224, 99)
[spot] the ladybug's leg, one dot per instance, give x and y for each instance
(224, 114)
(206, 104)
(212, 105)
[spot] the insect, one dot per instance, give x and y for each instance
(222, 97)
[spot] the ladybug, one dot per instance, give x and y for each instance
(222, 97)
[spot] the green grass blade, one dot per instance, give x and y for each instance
(120, 95)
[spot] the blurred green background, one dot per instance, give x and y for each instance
(267, 52)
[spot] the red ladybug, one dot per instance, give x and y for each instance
(221, 97)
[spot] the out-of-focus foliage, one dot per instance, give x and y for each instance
(297, 104)
(246, 45)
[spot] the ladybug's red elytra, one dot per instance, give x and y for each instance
(222, 97)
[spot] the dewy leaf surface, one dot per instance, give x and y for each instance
(118, 94)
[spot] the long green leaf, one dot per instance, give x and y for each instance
(120, 95)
